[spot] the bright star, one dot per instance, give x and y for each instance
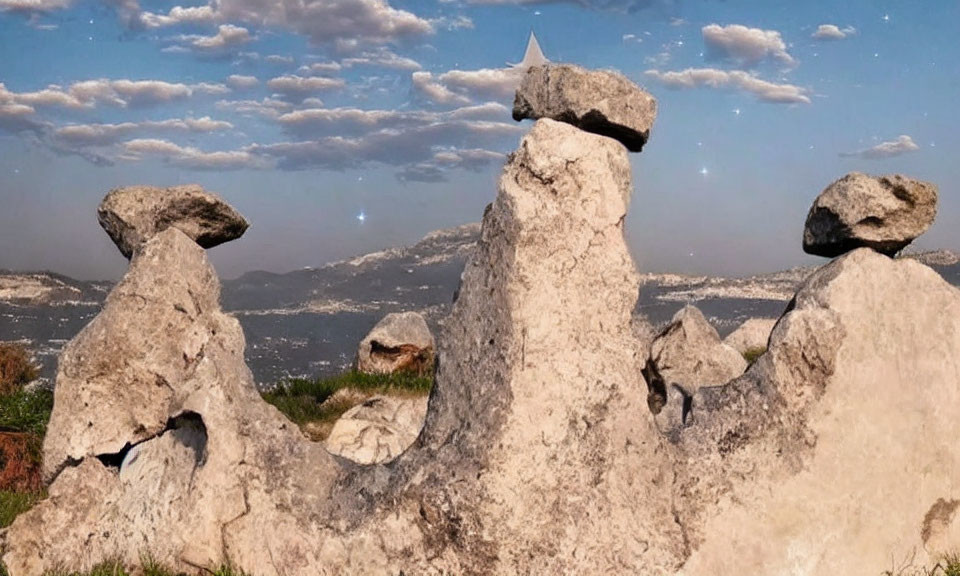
(736, 111)
(886, 17)
(361, 216)
(704, 171)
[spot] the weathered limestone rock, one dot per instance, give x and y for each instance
(377, 430)
(684, 357)
(836, 453)
(134, 214)
(751, 335)
(401, 342)
(603, 102)
(884, 213)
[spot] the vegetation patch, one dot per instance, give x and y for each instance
(751, 354)
(315, 405)
(16, 368)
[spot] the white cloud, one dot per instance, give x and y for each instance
(293, 87)
(240, 82)
(833, 32)
(179, 15)
(190, 157)
(487, 83)
(320, 68)
(732, 80)
(267, 108)
(425, 86)
(32, 6)
(902, 145)
(383, 58)
(227, 36)
(106, 134)
(278, 59)
(745, 46)
(123, 93)
(330, 21)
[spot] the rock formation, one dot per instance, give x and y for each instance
(134, 214)
(751, 335)
(685, 356)
(833, 454)
(884, 213)
(378, 429)
(603, 102)
(401, 342)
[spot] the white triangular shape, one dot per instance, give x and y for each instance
(533, 56)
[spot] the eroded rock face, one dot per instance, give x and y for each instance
(884, 213)
(751, 335)
(599, 101)
(836, 451)
(378, 429)
(401, 342)
(686, 356)
(134, 214)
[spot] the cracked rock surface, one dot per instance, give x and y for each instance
(134, 214)
(884, 213)
(599, 101)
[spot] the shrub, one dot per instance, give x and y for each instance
(26, 412)
(16, 368)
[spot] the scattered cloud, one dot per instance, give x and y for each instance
(278, 59)
(833, 32)
(107, 134)
(297, 88)
(240, 82)
(32, 6)
(320, 68)
(902, 145)
(484, 84)
(190, 157)
(339, 23)
(732, 80)
(424, 86)
(745, 46)
(227, 37)
(267, 108)
(354, 121)
(179, 15)
(383, 58)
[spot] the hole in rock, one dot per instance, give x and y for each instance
(187, 428)
(656, 387)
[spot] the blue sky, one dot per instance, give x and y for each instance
(305, 114)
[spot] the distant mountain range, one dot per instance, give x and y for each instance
(309, 322)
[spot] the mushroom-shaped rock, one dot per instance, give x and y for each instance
(377, 430)
(751, 335)
(884, 213)
(684, 357)
(134, 214)
(401, 342)
(598, 101)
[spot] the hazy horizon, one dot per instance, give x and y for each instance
(401, 113)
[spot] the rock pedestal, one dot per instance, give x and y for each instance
(401, 342)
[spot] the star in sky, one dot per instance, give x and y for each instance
(704, 171)
(361, 217)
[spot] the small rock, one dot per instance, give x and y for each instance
(751, 335)
(686, 356)
(884, 213)
(401, 342)
(134, 214)
(378, 430)
(598, 101)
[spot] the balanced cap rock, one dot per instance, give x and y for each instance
(401, 342)
(598, 101)
(135, 214)
(884, 213)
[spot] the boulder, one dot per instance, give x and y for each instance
(377, 430)
(752, 335)
(134, 214)
(884, 213)
(599, 101)
(836, 453)
(401, 342)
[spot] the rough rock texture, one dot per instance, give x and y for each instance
(377, 430)
(599, 101)
(134, 214)
(401, 342)
(836, 453)
(684, 357)
(884, 213)
(751, 335)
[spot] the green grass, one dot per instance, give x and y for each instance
(147, 566)
(27, 412)
(302, 400)
(751, 354)
(13, 504)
